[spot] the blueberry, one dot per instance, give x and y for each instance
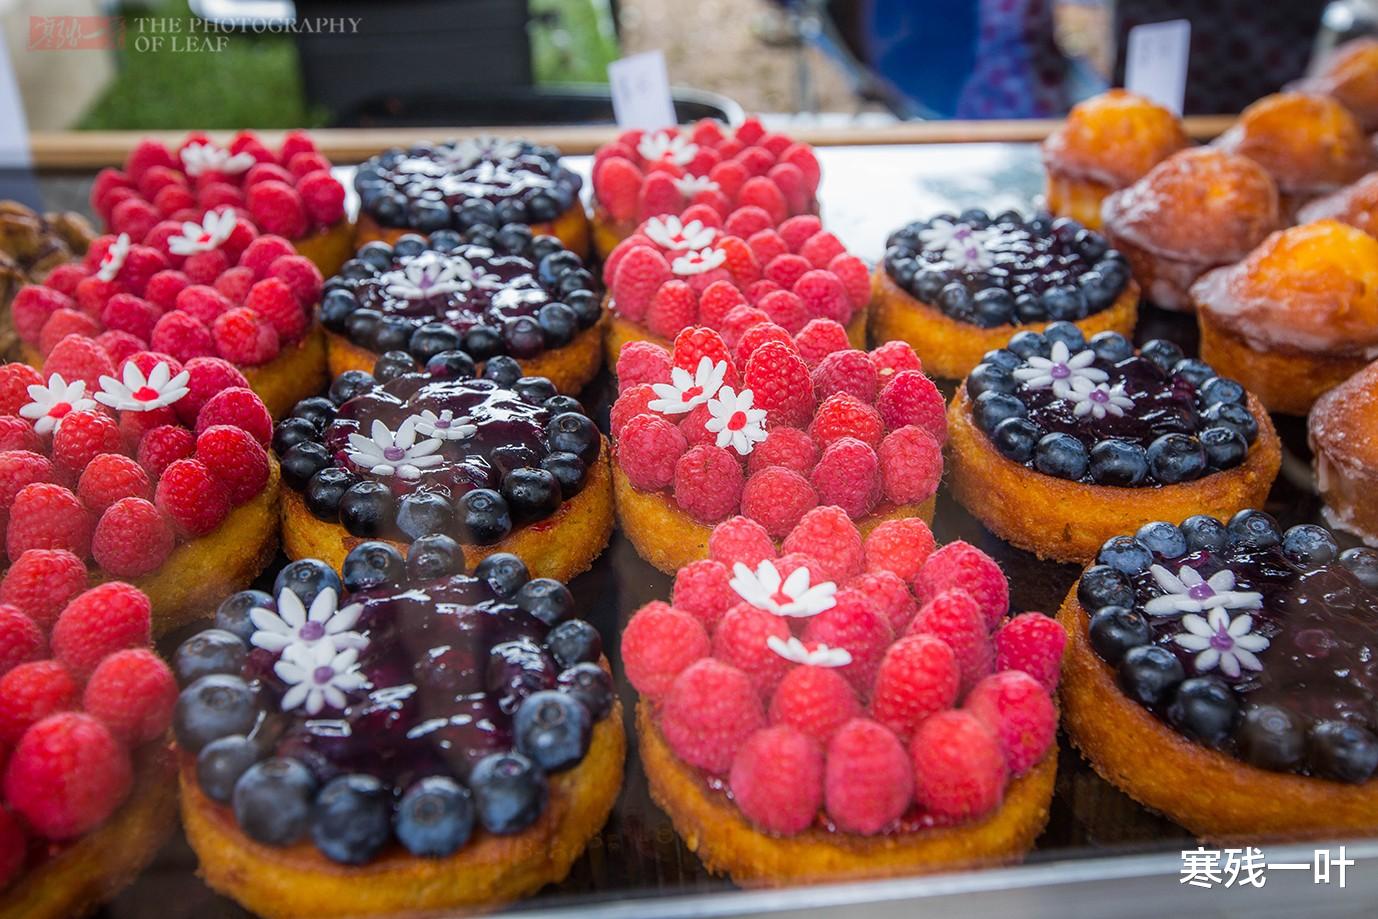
(1061, 455)
(1090, 244)
(1149, 673)
(393, 333)
(302, 461)
(355, 270)
(549, 269)
(423, 513)
(483, 516)
(543, 207)
(1225, 447)
(1204, 710)
(1101, 586)
(336, 307)
(373, 564)
(1011, 219)
(1016, 439)
(1254, 530)
(1309, 545)
(574, 281)
(325, 489)
(1125, 554)
(504, 573)
(1111, 347)
(509, 792)
(428, 215)
(1271, 738)
(476, 211)
(306, 577)
(1205, 532)
(1097, 289)
(535, 390)
(546, 599)
(1363, 564)
(1344, 752)
(1194, 370)
(482, 235)
(393, 364)
(1068, 334)
(430, 339)
(544, 244)
(572, 432)
(1174, 458)
(272, 801)
(531, 493)
(1029, 344)
(362, 325)
(352, 819)
(591, 685)
(587, 306)
(1220, 389)
(1162, 353)
(349, 384)
(482, 342)
(974, 217)
(991, 408)
(990, 378)
(1118, 462)
(1064, 302)
(1234, 415)
(522, 337)
(901, 266)
(435, 556)
(221, 762)
(503, 370)
(214, 706)
(1003, 358)
(561, 403)
(367, 509)
(510, 210)
(292, 431)
(211, 651)
(568, 469)
(992, 307)
(390, 209)
(553, 729)
(233, 613)
(1028, 308)
(435, 817)
(558, 324)
(1115, 629)
(1162, 538)
(514, 238)
(376, 255)
(956, 301)
(1115, 273)
(574, 641)
(445, 240)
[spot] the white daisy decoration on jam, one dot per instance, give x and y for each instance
(698, 261)
(1229, 644)
(673, 234)
(1188, 592)
(690, 185)
(666, 145)
(793, 596)
(1060, 370)
(113, 260)
(202, 156)
(684, 392)
(53, 401)
(1097, 400)
(386, 452)
(318, 677)
(735, 420)
(820, 655)
(293, 625)
(444, 426)
(213, 230)
(961, 244)
(430, 275)
(139, 393)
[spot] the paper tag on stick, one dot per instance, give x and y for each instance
(1156, 62)
(641, 92)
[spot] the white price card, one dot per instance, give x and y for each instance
(1156, 62)
(641, 92)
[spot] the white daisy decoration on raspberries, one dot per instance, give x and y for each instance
(430, 275)
(684, 393)
(792, 649)
(698, 261)
(1188, 592)
(293, 625)
(734, 419)
(213, 230)
(139, 393)
(671, 233)
(113, 260)
(202, 156)
(53, 401)
(386, 452)
(666, 145)
(1060, 370)
(1220, 641)
(793, 596)
(689, 186)
(1098, 399)
(444, 426)
(318, 677)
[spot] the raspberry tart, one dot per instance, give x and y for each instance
(88, 793)
(31, 246)
(145, 470)
(770, 429)
(500, 462)
(1349, 73)
(408, 738)
(1344, 448)
(288, 192)
(645, 174)
(1297, 317)
(850, 709)
(1222, 673)
(487, 291)
(458, 184)
(956, 286)
(1059, 443)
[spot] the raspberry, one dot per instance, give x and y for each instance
(960, 564)
(132, 538)
(322, 196)
(195, 499)
(235, 458)
(765, 194)
(213, 195)
(710, 711)
(827, 535)
(632, 402)
(182, 336)
(240, 407)
(917, 677)
(740, 640)
(694, 426)
(911, 398)
(79, 358)
(747, 219)
(850, 372)
(92, 292)
(120, 345)
(33, 305)
(658, 643)
(821, 248)
(798, 230)
(717, 300)
(110, 477)
(163, 288)
(163, 446)
(848, 476)
(31, 692)
(15, 380)
(856, 624)
(63, 323)
(19, 468)
(260, 254)
(815, 700)
(202, 268)
(67, 775)
(295, 143)
(868, 783)
(134, 216)
(758, 335)
(702, 588)
(642, 362)
(206, 376)
(777, 498)
(47, 516)
(1033, 643)
(616, 183)
(18, 434)
(693, 345)
(823, 295)
(708, 482)
(736, 322)
(819, 338)
(844, 415)
(273, 300)
(276, 208)
(855, 277)
(14, 846)
(41, 583)
(780, 383)
(673, 308)
(133, 693)
(786, 310)
(788, 447)
(790, 562)
(243, 337)
(777, 779)
(890, 595)
(107, 618)
(911, 465)
(893, 357)
(84, 435)
(959, 770)
(899, 546)
(145, 156)
(21, 640)
(648, 452)
(766, 245)
(790, 181)
(202, 302)
(740, 539)
(639, 275)
(1018, 711)
(953, 617)
(234, 284)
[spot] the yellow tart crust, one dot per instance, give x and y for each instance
(328, 248)
(1077, 197)
(571, 228)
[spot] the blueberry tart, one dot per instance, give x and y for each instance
(459, 183)
(1223, 674)
(489, 290)
(1343, 428)
(957, 286)
(412, 736)
(1059, 443)
(499, 462)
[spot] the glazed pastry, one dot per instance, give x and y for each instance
(1356, 205)
(502, 463)
(88, 793)
(666, 277)
(1059, 443)
(1350, 74)
(954, 287)
(1223, 675)
(769, 428)
(850, 709)
(1106, 143)
(1310, 144)
(645, 174)
(145, 470)
(459, 183)
(1295, 318)
(406, 738)
(288, 192)
(31, 245)
(1344, 446)
(487, 291)
(1196, 210)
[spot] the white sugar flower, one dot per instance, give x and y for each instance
(1060, 370)
(53, 401)
(689, 186)
(429, 275)
(113, 260)
(202, 156)
(684, 392)
(1230, 644)
(137, 393)
(792, 649)
(444, 426)
(698, 261)
(465, 153)
(387, 453)
(961, 244)
(1098, 399)
(666, 145)
(1187, 592)
(293, 626)
(670, 233)
(319, 676)
(793, 597)
(213, 230)
(735, 421)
